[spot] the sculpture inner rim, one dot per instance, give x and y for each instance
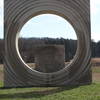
(57, 46)
(37, 14)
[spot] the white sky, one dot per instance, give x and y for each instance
(48, 25)
(57, 26)
(95, 19)
(1, 18)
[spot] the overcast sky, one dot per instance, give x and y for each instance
(48, 25)
(53, 26)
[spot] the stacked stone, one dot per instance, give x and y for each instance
(17, 13)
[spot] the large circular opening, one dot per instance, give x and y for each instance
(47, 43)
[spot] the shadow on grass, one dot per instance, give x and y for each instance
(35, 94)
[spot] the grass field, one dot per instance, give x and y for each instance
(96, 69)
(88, 92)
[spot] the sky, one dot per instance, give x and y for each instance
(55, 26)
(1, 18)
(48, 25)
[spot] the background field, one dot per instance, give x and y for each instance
(88, 92)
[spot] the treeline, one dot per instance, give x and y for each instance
(95, 47)
(27, 46)
(1, 51)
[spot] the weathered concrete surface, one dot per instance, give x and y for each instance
(17, 13)
(50, 58)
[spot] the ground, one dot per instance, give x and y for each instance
(1, 72)
(96, 73)
(88, 92)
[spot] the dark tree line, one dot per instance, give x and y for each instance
(27, 46)
(1, 51)
(95, 48)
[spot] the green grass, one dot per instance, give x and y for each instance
(96, 69)
(88, 92)
(1, 83)
(1, 68)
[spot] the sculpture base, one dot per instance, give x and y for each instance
(10, 82)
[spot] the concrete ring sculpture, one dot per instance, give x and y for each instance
(18, 12)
